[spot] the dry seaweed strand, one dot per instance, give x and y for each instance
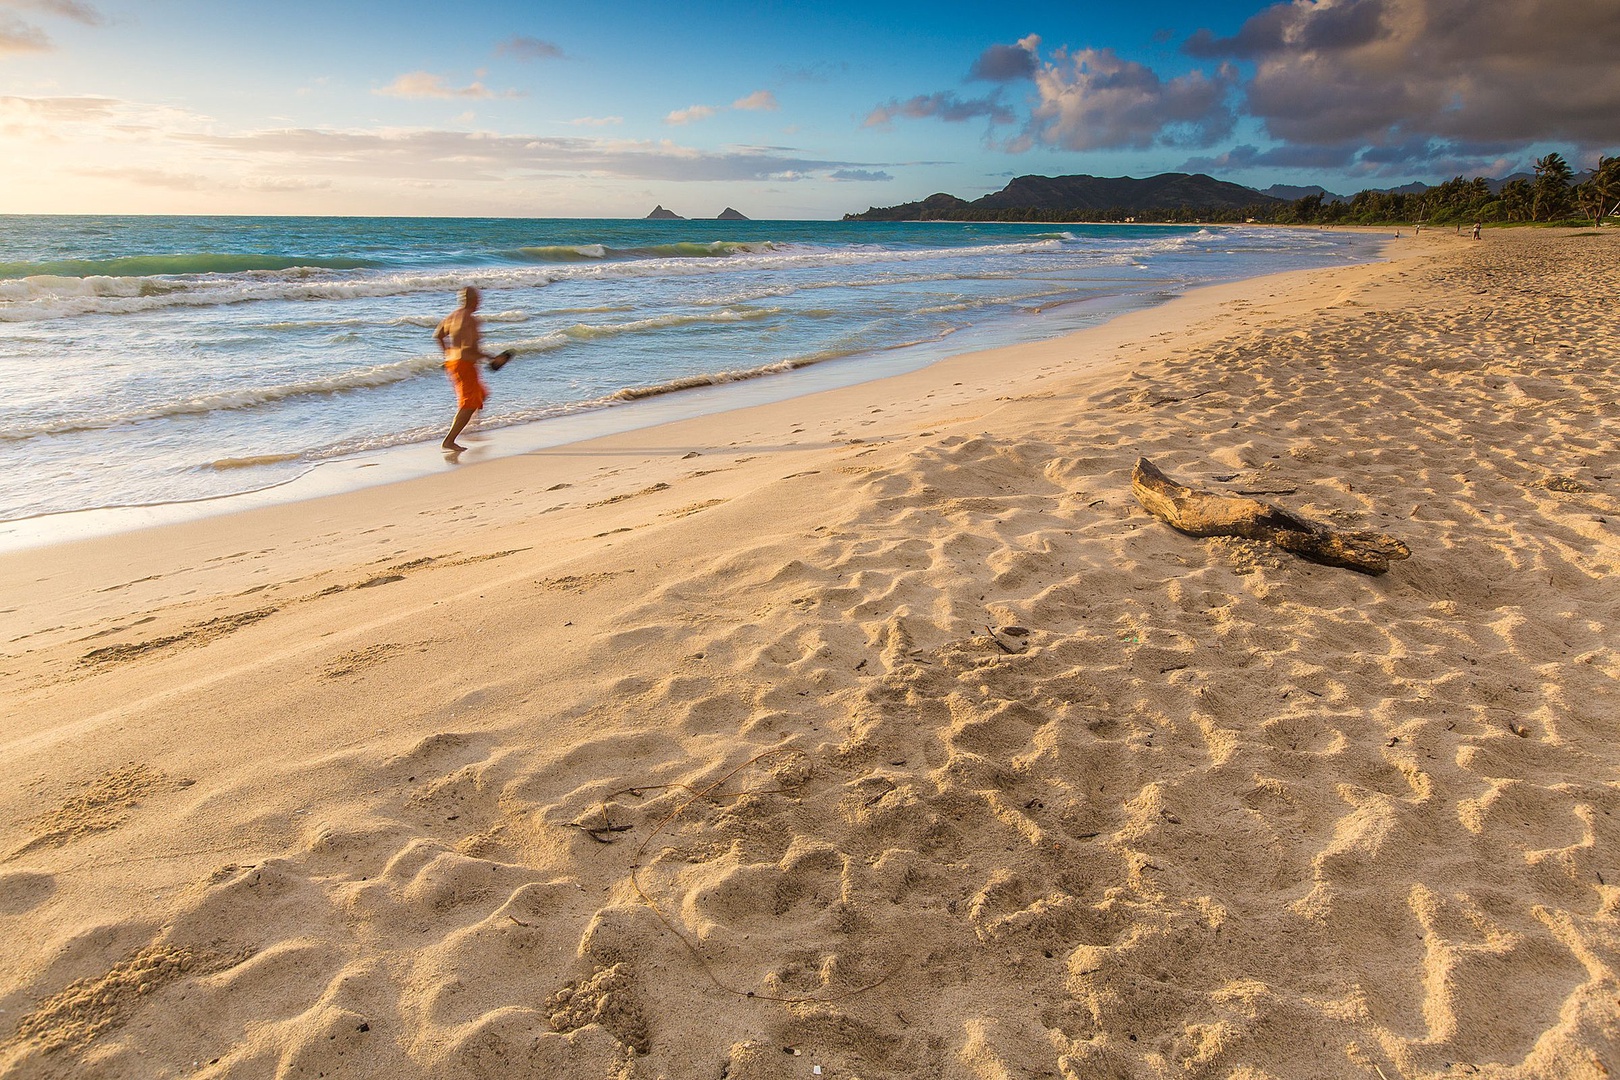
(710, 791)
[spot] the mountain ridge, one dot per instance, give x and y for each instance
(1083, 192)
(1178, 196)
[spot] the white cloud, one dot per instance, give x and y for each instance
(424, 84)
(171, 180)
(1007, 63)
(153, 178)
(96, 152)
(59, 110)
(478, 156)
(1092, 99)
(758, 101)
(942, 106)
(17, 36)
(689, 114)
(1089, 99)
(76, 10)
(523, 47)
(284, 183)
(58, 119)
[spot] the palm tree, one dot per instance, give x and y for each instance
(1517, 200)
(1599, 196)
(1551, 188)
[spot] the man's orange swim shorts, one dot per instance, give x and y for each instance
(469, 387)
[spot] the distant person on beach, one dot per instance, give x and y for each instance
(457, 336)
(1476, 230)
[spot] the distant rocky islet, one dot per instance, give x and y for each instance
(660, 214)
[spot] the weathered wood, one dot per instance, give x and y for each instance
(1201, 513)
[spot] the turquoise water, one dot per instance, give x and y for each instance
(164, 359)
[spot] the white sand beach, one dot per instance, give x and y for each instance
(880, 732)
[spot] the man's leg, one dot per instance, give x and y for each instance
(463, 415)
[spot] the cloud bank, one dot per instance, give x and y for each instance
(1363, 85)
(1386, 72)
(301, 158)
(441, 155)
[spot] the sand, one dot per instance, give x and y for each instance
(879, 731)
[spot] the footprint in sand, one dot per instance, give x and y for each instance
(101, 806)
(23, 892)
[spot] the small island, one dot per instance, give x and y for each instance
(660, 214)
(728, 214)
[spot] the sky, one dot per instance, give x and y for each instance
(779, 110)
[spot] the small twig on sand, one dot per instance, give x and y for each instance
(880, 796)
(596, 832)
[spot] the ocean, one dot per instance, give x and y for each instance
(164, 360)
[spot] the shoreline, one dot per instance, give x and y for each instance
(404, 462)
(880, 724)
(393, 464)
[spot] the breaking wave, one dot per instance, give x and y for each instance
(712, 249)
(131, 266)
(247, 398)
(53, 296)
(367, 378)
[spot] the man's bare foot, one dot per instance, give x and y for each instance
(453, 446)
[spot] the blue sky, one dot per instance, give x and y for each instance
(549, 109)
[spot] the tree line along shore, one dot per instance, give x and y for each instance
(1552, 196)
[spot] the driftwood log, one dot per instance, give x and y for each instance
(1202, 513)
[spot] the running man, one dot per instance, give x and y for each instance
(457, 336)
